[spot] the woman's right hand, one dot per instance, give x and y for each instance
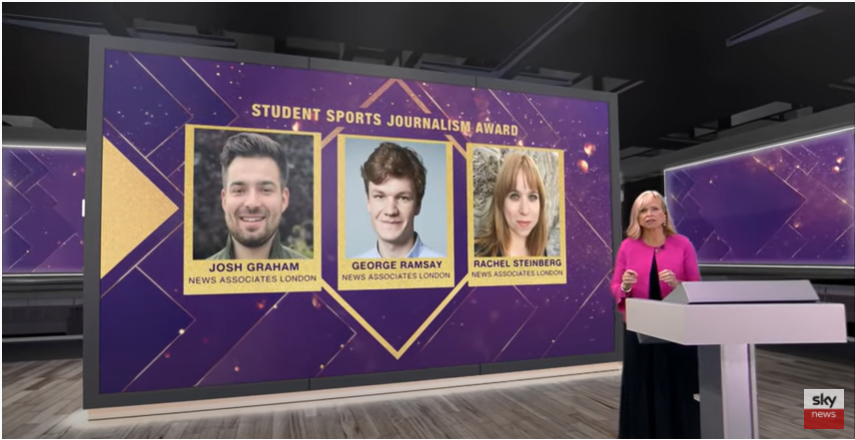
(629, 278)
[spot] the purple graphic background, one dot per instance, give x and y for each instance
(43, 191)
(785, 205)
(153, 337)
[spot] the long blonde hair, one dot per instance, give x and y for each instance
(634, 229)
(495, 235)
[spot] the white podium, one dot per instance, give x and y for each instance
(726, 319)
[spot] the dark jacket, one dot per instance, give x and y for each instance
(277, 252)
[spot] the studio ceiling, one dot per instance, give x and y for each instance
(679, 81)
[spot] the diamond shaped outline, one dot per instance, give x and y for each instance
(396, 353)
(31, 206)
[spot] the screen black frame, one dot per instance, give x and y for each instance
(94, 399)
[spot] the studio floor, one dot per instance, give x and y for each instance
(42, 399)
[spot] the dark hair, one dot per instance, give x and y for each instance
(254, 145)
(393, 160)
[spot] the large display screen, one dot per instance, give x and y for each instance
(43, 190)
(261, 223)
(788, 204)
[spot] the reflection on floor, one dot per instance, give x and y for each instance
(43, 399)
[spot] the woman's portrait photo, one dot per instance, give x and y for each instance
(516, 202)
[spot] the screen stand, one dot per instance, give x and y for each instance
(728, 391)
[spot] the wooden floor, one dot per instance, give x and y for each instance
(43, 399)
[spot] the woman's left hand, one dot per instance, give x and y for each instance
(667, 277)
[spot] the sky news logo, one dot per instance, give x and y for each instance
(824, 409)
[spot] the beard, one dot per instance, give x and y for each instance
(254, 241)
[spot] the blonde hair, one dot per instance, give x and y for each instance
(634, 230)
(496, 236)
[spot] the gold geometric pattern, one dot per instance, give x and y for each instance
(396, 352)
(137, 207)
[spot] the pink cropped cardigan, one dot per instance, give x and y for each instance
(677, 255)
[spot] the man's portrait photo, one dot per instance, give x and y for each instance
(253, 195)
(396, 199)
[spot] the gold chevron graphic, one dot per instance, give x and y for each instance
(132, 207)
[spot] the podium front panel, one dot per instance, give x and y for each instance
(724, 324)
